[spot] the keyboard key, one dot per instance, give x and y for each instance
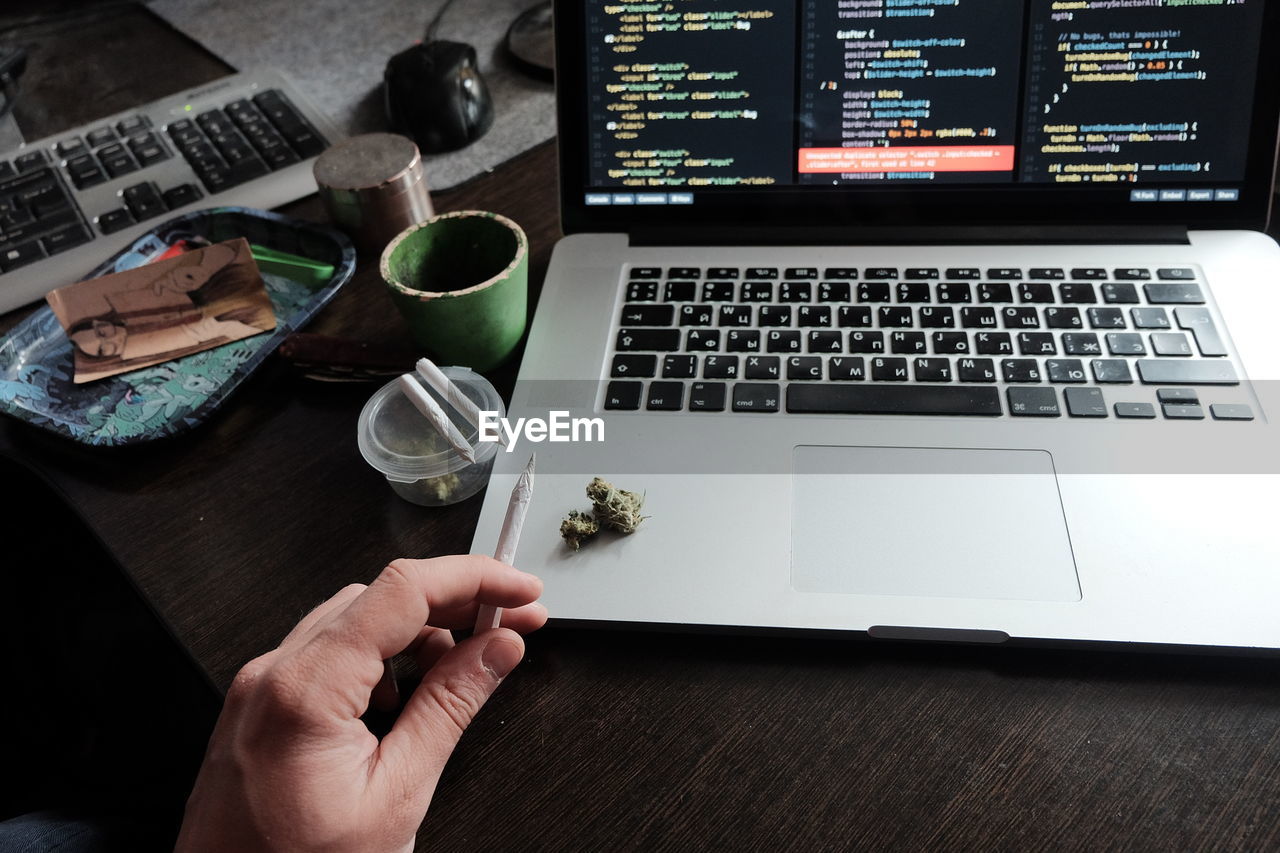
(1081, 343)
(992, 343)
(72, 147)
(707, 397)
(765, 272)
(144, 201)
(889, 369)
(65, 238)
(1231, 412)
(1020, 370)
(185, 194)
(840, 272)
(722, 272)
(642, 291)
(13, 257)
(1051, 273)
(119, 163)
(866, 342)
(742, 340)
(835, 291)
(955, 291)
(696, 315)
(623, 395)
(895, 316)
(114, 220)
(870, 291)
(640, 272)
(783, 341)
(1111, 371)
(29, 162)
(908, 343)
(660, 340)
(680, 366)
(829, 341)
(937, 318)
(1063, 318)
(1125, 343)
(1175, 274)
(914, 291)
(735, 315)
(1062, 370)
(775, 315)
(1183, 412)
(680, 291)
(1179, 372)
(757, 291)
(813, 316)
(1091, 273)
(1149, 318)
(1020, 318)
(846, 369)
(978, 318)
(1200, 324)
(1036, 343)
(720, 367)
(977, 370)
(100, 136)
(132, 125)
(1132, 274)
(1035, 292)
(893, 399)
(764, 367)
(1177, 395)
(1135, 410)
(800, 272)
(1173, 293)
(995, 293)
(1085, 402)
(1121, 293)
(1170, 344)
(853, 316)
(756, 397)
(702, 340)
(950, 343)
(1033, 402)
(665, 397)
(718, 291)
(932, 369)
(880, 272)
(921, 272)
(804, 367)
(1004, 273)
(795, 291)
(964, 272)
(1077, 293)
(634, 365)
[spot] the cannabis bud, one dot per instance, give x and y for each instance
(614, 507)
(578, 527)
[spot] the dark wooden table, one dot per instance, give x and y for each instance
(604, 741)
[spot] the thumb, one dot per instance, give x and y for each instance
(444, 704)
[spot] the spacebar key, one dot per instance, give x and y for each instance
(892, 400)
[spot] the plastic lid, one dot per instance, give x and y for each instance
(396, 439)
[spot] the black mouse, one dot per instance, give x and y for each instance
(436, 96)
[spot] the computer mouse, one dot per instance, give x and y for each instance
(436, 96)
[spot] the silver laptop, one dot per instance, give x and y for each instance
(916, 319)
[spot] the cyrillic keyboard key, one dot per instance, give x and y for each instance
(1170, 344)
(765, 367)
(804, 367)
(1111, 370)
(846, 369)
(720, 367)
(1149, 318)
(1062, 370)
(1179, 372)
(893, 400)
(977, 370)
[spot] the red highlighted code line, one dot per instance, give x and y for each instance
(915, 158)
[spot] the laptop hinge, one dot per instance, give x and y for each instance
(908, 236)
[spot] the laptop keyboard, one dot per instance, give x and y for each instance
(1028, 342)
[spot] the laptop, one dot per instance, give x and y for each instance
(912, 319)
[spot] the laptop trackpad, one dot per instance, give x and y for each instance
(929, 522)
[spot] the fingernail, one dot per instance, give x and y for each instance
(500, 656)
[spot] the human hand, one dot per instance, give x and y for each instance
(291, 766)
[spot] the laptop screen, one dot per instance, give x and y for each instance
(775, 112)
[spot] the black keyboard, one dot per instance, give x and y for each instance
(1081, 342)
(69, 201)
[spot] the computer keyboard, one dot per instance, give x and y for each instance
(69, 201)
(1036, 342)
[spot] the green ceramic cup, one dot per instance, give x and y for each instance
(461, 281)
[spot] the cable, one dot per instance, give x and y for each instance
(435, 22)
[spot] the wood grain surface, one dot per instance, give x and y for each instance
(607, 741)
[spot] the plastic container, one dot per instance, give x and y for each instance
(418, 463)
